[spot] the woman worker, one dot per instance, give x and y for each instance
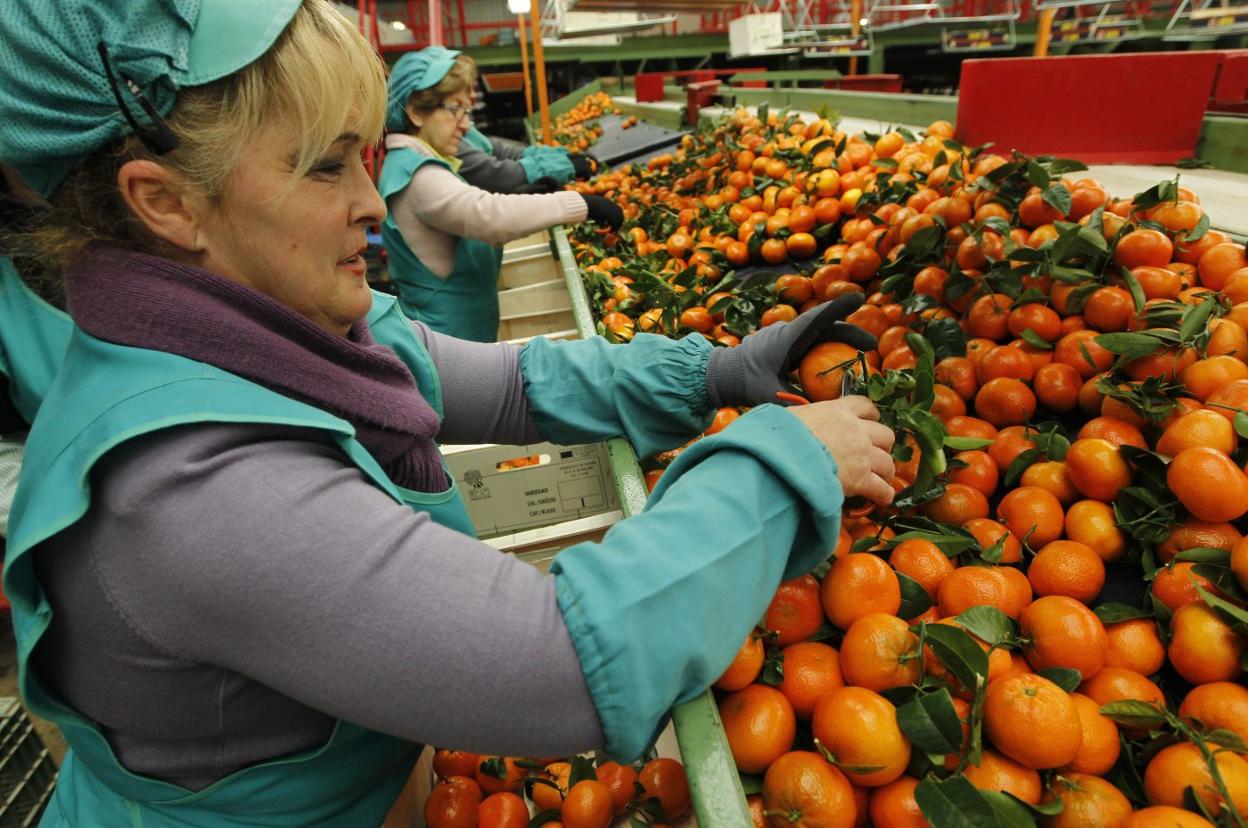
(242, 584)
(503, 166)
(443, 235)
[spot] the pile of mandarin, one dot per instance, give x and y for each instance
(1049, 624)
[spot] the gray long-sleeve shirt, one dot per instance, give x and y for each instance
(189, 640)
(498, 173)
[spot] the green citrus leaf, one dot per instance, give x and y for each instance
(863, 544)
(1196, 318)
(582, 769)
(989, 624)
(1134, 713)
(1198, 232)
(1226, 738)
(954, 803)
(1133, 285)
(959, 652)
(998, 225)
(946, 337)
(1064, 677)
(919, 345)
(1196, 805)
(1238, 615)
(1020, 464)
(1033, 339)
(1131, 345)
(914, 598)
(1115, 613)
(1205, 554)
(951, 543)
(1011, 812)
(1061, 166)
(773, 667)
(494, 766)
(1057, 197)
(931, 723)
(1241, 424)
(1038, 175)
(966, 443)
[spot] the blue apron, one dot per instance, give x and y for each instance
(33, 336)
(104, 395)
(465, 303)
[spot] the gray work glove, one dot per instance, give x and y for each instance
(583, 164)
(604, 211)
(753, 372)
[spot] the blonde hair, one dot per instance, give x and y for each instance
(461, 77)
(321, 76)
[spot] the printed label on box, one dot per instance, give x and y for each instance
(513, 488)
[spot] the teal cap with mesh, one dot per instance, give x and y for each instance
(411, 73)
(56, 104)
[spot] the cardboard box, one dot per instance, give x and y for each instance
(533, 297)
(513, 488)
(540, 546)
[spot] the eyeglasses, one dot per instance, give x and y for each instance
(458, 111)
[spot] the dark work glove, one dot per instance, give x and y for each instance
(754, 371)
(583, 164)
(605, 211)
(541, 186)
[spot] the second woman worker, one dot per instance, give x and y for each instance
(443, 236)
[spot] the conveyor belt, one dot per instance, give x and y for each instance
(618, 145)
(1224, 195)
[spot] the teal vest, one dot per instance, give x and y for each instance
(107, 394)
(464, 304)
(33, 336)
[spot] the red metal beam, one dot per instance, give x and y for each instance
(435, 23)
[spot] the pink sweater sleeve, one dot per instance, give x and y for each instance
(447, 203)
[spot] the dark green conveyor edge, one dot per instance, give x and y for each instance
(718, 799)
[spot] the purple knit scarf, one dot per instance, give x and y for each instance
(149, 302)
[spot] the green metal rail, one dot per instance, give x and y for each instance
(718, 798)
(715, 787)
(792, 77)
(714, 784)
(894, 107)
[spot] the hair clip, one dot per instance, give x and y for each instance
(158, 136)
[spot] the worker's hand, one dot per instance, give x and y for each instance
(541, 186)
(756, 370)
(584, 165)
(604, 211)
(861, 446)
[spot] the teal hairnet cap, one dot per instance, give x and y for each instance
(56, 106)
(411, 73)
